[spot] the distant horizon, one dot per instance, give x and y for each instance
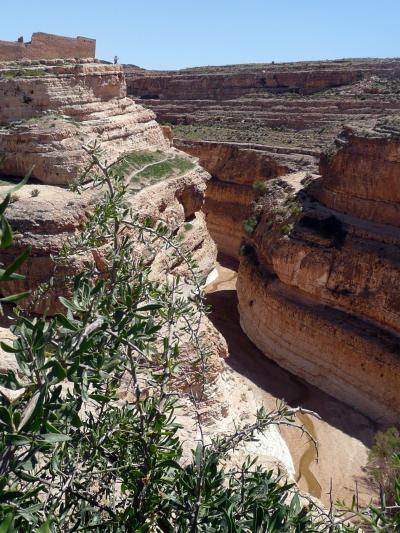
(264, 64)
(174, 35)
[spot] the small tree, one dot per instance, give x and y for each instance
(75, 455)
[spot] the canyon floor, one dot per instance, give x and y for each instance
(343, 434)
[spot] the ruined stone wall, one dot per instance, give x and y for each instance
(48, 46)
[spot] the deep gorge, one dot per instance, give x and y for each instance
(301, 227)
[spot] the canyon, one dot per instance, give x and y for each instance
(294, 105)
(48, 114)
(263, 170)
(314, 225)
(304, 160)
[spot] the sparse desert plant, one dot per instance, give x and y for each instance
(286, 229)
(250, 224)
(296, 210)
(35, 192)
(384, 462)
(260, 186)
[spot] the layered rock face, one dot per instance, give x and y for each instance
(47, 114)
(317, 285)
(286, 114)
(236, 169)
(363, 177)
(48, 111)
(203, 83)
(44, 217)
(303, 105)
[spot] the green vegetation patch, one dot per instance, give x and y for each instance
(24, 73)
(254, 132)
(137, 160)
(145, 168)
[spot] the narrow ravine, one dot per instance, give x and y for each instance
(343, 434)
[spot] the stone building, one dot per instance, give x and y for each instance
(48, 46)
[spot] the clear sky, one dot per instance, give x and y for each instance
(182, 33)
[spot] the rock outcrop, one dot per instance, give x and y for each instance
(48, 111)
(225, 82)
(47, 114)
(44, 220)
(299, 105)
(318, 280)
(236, 170)
(363, 177)
(43, 217)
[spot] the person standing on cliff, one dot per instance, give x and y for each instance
(115, 60)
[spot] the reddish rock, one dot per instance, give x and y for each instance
(361, 174)
(234, 168)
(327, 275)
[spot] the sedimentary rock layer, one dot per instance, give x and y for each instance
(300, 105)
(236, 169)
(362, 177)
(350, 359)
(44, 217)
(318, 283)
(48, 111)
(224, 82)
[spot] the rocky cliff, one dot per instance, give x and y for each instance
(48, 111)
(318, 277)
(299, 105)
(236, 170)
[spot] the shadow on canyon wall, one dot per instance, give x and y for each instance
(247, 360)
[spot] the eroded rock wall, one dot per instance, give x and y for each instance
(297, 105)
(205, 83)
(48, 113)
(47, 116)
(318, 282)
(236, 169)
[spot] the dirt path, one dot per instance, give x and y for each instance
(343, 434)
(153, 164)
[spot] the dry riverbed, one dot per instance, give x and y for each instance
(343, 434)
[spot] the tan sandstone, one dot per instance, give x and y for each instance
(48, 112)
(317, 286)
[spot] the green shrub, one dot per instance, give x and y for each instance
(286, 229)
(384, 462)
(24, 73)
(74, 456)
(296, 210)
(250, 224)
(260, 186)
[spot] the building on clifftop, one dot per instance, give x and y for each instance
(48, 46)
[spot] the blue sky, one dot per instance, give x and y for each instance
(181, 33)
